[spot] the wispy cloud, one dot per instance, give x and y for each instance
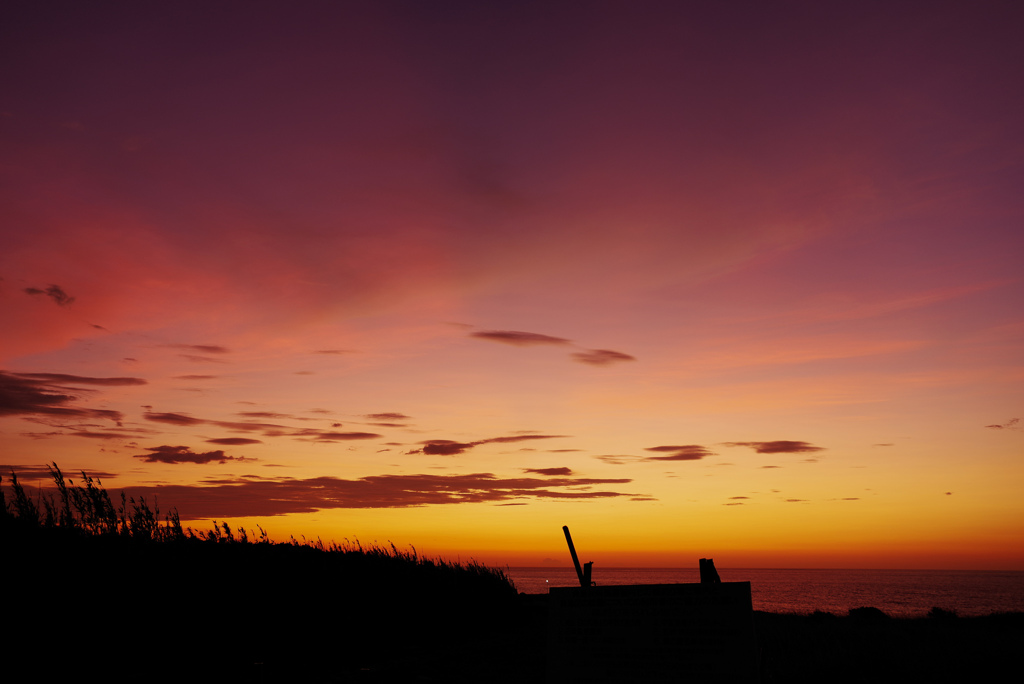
(54, 292)
(251, 496)
(601, 357)
(201, 348)
(234, 441)
(37, 472)
(196, 358)
(92, 434)
(83, 429)
(344, 436)
(182, 454)
(518, 338)
(266, 414)
(449, 447)
(688, 452)
(549, 471)
(26, 395)
(518, 438)
(173, 418)
(443, 447)
(81, 379)
(619, 459)
(1009, 425)
(778, 447)
(265, 429)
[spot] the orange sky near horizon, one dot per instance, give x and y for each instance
(729, 280)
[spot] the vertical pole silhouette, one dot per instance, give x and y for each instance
(584, 577)
(708, 574)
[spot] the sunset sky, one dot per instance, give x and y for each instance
(739, 280)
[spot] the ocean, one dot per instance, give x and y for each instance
(900, 593)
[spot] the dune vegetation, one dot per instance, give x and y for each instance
(94, 582)
(86, 510)
(95, 578)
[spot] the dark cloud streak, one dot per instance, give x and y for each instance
(550, 472)
(81, 379)
(182, 454)
(449, 447)
(22, 394)
(173, 418)
(688, 452)
(54, 292)
(345, 436)
(518, 338)
(195, 358)
(202, 348)
(601, 357)
(250, 497)
(778, 447)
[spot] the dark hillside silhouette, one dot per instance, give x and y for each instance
(109, 588)
(89, 582)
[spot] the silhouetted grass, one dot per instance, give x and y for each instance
(94, 584)
(86, 510)
(89, 579)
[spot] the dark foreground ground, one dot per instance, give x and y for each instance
(870, 647)
(273, 613)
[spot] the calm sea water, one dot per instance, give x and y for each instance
(903, 593)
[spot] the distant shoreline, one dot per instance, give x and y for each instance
(898, 593)
(667, 568)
